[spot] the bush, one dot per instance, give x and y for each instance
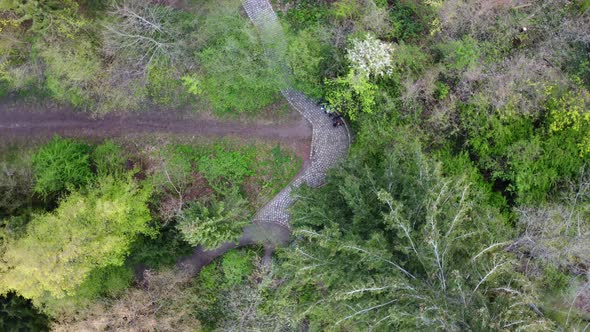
(88, 231)
(60, 164)
(109, 159)
(19, 314)
(160, 251)
(70, 71)
(405, 21)
(352, 95)
(460, 54)
(237, 267)
(226, 169)
(164, 86)
(526, 160)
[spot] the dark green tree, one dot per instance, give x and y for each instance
(392, 244)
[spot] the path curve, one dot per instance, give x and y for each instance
(270, 226)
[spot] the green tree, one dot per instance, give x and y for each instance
(392, 244)
(305, 56)
(86, 232)
(212, 224)
(237, 73)
(48, 17)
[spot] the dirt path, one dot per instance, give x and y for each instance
(25, 121)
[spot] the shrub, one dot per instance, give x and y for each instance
(405, 21)
(226, 169)
(19, 314)
(460, 54)
(60, 164)
(346, 9)
(16, 183)
(70, 71)
(164, 87)
(351, 95)
(162, 250)
(237, 267)
(109, 159)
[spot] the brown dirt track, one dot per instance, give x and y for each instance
(22, 122)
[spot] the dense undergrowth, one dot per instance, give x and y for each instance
(78, 219)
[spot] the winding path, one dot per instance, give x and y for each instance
(329, 145)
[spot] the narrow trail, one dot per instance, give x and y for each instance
(270, 226)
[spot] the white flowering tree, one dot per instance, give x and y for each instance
(371, 57)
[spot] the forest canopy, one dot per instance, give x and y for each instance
(463, 202)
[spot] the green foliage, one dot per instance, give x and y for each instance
(405, 21)
(108, 281)
(19, 314)
(442, 90)
(192, 84)
(178, 162)
(409, 59)
(70, 71)
(346, 9)
(209, 311)
(554, 279)
(237, 267)
(511, 150)
(459, 164)
(88, 231)
(109, 159)
(60, 164)
(351, 95)
(162, 250)
(217, 281)
(212, 224)
(460, 54)
(305, 55)
(307, 14)
(48, 16)
(16, 182)
(569, 113)
(386, 238)
(238, 76)
(164, 87)
(226, 169)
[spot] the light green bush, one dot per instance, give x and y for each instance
(60, 164)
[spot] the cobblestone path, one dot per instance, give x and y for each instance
(329, 144)
(270, 226)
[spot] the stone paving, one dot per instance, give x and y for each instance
(329, 144)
